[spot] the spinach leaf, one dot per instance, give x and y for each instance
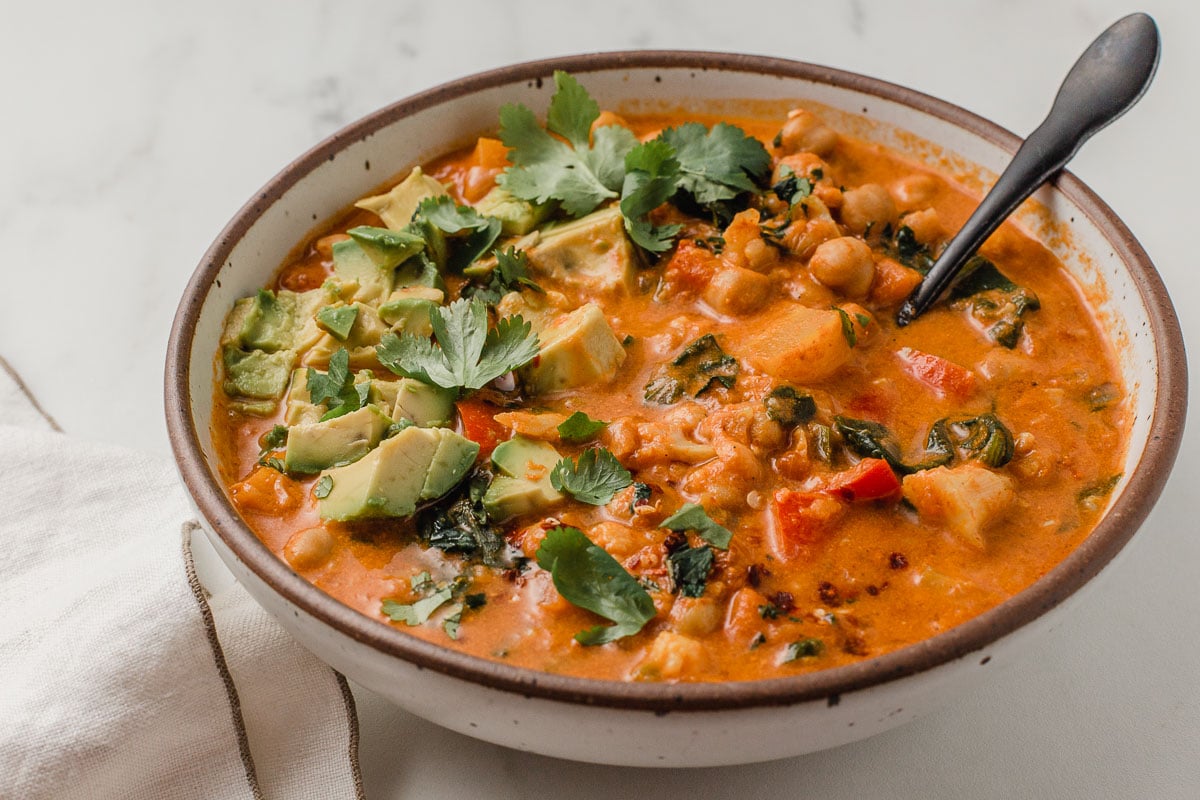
(689, 568)
(789, 407)
(994, 300)
(458, 524)
(699, 367)
(588, 577)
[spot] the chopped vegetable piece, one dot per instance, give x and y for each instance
(458, 524)
(594, 479)
(790, 407)
(869, 479)
(479, 424)
(943, 376)
(338, 320)
(511, 274)
(588, 577)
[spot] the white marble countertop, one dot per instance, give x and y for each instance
(133, 131)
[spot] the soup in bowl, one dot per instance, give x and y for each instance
(590, 431)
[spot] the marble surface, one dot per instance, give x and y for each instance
(133, 130)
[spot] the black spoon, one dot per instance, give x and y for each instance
(1111, 75)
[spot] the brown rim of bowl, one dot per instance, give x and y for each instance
(1089, 558)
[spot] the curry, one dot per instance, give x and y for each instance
(624, 398)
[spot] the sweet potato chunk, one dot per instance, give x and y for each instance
(964, 499)
(796, 344)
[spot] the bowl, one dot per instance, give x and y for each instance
(665, 724)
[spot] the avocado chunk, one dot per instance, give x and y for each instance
(407, 310)
(575, 349)
(300, 408)
(396, 208)
(517, 217)
(386, 247)
(271, 321)
(342, 440)
(426, 406)
(395, 477)
(592, 252)
(257, 374)
(365, 331)
(523, 484)
(358, 274)
(420, 271)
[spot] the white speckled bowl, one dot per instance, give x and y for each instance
(653, 724)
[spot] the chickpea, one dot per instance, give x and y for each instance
(737, 291)
(804, 131)
(309, 548)
(696, 616)
(845, 265)
(925, 225)
(914, 191)
(868, 207)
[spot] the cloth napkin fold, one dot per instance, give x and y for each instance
(120, 677)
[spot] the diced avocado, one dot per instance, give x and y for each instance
(387, 248)
(256, 374)
(407, 310)
(337, 320)
(517, 217)
(593, 253)
(425, 405)
(352, 265)
(334, 442)
(254, 408)
(396, 207)
(575, 349)
(419, 271)
(365, 332)
(454, 457)
(391, 480)
(300, 408)
(523, 484)
(269, 323)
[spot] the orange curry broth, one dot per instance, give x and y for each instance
(876, 579)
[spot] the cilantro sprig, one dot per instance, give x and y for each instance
(580, 173)
(467, 355)
(588, 577)
(510, 274)
(710, 166)
(593, 479)
(336, 388)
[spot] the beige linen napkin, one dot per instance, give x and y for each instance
(119, 676)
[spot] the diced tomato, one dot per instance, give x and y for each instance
(944, 377)
(800, 520)
(690, 269)
(480, 426)
(869, 479)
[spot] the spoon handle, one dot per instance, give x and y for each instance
(1111, 75)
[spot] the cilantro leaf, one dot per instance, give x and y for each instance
(594, 479)
(511, 274)
(791, 187)
(651, 179)
(272, 440)
(326, 386)
(588, 577)
(805, 648)
(419, 612)
(467, 355)
(693, 517)
(579, 427)
(544, 168)
(689, 568)
(717, 164)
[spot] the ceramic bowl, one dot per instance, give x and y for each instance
(664, 724)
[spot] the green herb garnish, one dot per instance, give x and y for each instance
(651, 177)
(692, 517)
(467, 355)
(594, 479)
(588, 577)
(717, 164)
(699, 367)
(805, 648)
(689, 568)
(579, 427)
